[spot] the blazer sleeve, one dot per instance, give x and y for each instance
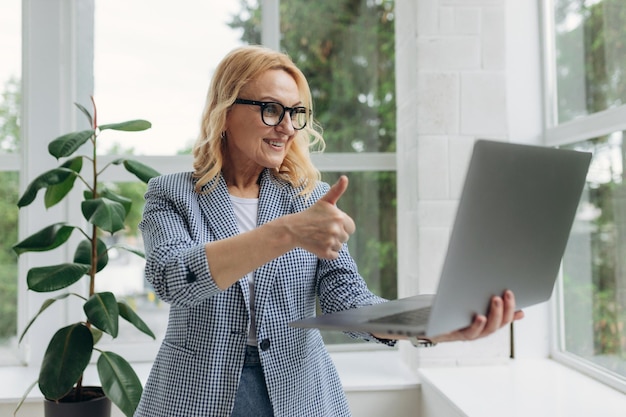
(176, 263)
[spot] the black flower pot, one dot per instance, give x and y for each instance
(93, 404)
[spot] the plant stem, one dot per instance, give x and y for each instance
(78, 393)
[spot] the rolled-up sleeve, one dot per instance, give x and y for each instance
(176, 264)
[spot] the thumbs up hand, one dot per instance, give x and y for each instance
(323, 228)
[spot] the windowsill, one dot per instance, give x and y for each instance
(359, 371)
(524, 387)
(374, 371)
(517, 388)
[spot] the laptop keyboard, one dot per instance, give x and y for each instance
(408, 317)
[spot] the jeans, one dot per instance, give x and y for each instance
(252, 398)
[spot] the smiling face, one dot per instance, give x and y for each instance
(252, 145)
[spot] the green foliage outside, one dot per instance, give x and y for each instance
(9, 188)
(591, 78)
(591, 73)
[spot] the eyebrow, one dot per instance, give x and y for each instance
(275, 100)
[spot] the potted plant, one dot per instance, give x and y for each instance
(71, 347)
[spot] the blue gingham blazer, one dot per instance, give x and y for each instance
(197, 369)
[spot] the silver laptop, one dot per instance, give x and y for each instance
(512, 225)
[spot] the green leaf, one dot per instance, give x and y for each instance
(141, 171)
(21, 402)
(55, 277)
(43, 308)
(65, 360)
(83, 254)
(129, 315)
(129, 126)
(130, 249)
(107, 214)
(48, 178)
(102, 311)
(46, 239)
(56, 192)
(119, 382)
(107, 193)
(85, 112)
(67, 144)
(97, 334)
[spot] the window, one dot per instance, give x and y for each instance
(10, 98)
(590, 51)
(160, 74)
(353, 86)
(588, 96)
(594, 290)
(346, 50)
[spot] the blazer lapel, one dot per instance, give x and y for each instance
(218, 210)
(274, 202)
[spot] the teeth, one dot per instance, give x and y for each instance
(278, 144)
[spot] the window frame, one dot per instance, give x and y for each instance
(559, 134)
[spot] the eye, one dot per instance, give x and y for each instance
(272, 109)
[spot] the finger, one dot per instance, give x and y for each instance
(509, 307)
(494, 319)
(348, 226)
(336, 191)
(331, 254)
(476, 329)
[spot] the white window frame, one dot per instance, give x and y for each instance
(558, 134)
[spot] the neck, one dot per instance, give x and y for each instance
(245, 185)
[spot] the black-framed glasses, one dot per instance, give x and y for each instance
(272, 113)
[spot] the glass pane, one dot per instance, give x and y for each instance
(371, 202)
(10, 74)
(590, 49)
(346, 50)
(10, 90)
(9, 183)
(153, 60)
(594, 265)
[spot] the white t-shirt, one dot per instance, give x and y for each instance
(246, 210)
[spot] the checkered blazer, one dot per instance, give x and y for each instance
(197, 369)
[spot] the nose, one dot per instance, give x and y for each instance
(286, 125)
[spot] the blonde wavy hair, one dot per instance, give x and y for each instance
(239, 67)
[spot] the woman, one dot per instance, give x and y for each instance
(242, 246)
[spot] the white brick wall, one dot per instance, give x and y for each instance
(453, 87)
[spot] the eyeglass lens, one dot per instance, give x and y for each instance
(273, 114)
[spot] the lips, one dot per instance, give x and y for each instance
(275, 143)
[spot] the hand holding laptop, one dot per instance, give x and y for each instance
(501, 313)
(510, 231)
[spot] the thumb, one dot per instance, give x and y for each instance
(336, 191)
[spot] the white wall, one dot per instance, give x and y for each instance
(468, 69)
